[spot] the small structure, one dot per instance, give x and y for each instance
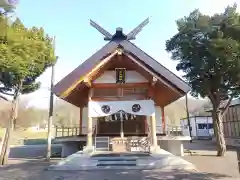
(121, 93)
(231, 124)
(201, 127)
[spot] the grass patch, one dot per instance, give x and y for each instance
(27, 137)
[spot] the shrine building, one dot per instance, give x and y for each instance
(121, 92)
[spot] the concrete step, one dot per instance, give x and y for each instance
(114, 158)
(117, 163)
(121, 155)
(129, 161)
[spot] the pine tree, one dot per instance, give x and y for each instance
(207, 49)
(25, 53)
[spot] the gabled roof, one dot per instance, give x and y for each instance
(77, 75)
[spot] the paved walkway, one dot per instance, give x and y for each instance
(112, 161)
(35, 170)
(205, 159)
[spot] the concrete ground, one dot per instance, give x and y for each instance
(203, 156)
(35, 170)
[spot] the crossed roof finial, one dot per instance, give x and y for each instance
(119, 35)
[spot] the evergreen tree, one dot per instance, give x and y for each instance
(25, 53)
(207, 49)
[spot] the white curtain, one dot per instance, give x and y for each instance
(106, 108)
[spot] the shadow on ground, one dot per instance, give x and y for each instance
(33, 151)
(203, 155)
(35, 170)
(202, 145)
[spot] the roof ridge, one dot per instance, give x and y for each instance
(159, 63)
(77, 74)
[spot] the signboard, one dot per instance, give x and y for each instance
(120, 75)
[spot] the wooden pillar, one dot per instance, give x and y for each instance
(153, 129)
(90, 128)
(89, 133)
(163, 120)
(188, 118)
(145, 125)
(81, 120)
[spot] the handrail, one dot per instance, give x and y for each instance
(174, 130)
(67, 131)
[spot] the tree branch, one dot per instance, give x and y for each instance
(224, 110)
(5, 93)
(211, 96)
(3, 98)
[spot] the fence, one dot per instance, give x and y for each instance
(67, 131)
(170, 130)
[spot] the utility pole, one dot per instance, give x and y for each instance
(50, 115)
(188, 119)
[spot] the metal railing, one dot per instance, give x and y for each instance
(170, 130)
(68, 131)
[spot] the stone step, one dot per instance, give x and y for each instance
(114, 158)
(114, 165)
(121, 155)
(117, 163)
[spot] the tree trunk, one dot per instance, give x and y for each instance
(2, 143)
(6, 141)
(218, 128)
(3, 148)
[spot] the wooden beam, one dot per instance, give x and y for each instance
(113, 85)
(153, 74)
(163, 119)
(90, 94)
(117, 98)
(154, 81)
(74, 85)
(89, 123)
(87, 82)
(102, 63)
(81, 119)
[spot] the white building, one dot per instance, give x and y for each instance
(201, 127)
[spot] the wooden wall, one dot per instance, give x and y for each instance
(110, 77)
(231, 122)
(134, 126)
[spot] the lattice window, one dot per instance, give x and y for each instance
(134, 91)
(105, 92)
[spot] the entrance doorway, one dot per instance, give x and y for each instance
(121, 122)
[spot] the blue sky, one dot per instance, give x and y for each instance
(76, 40)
